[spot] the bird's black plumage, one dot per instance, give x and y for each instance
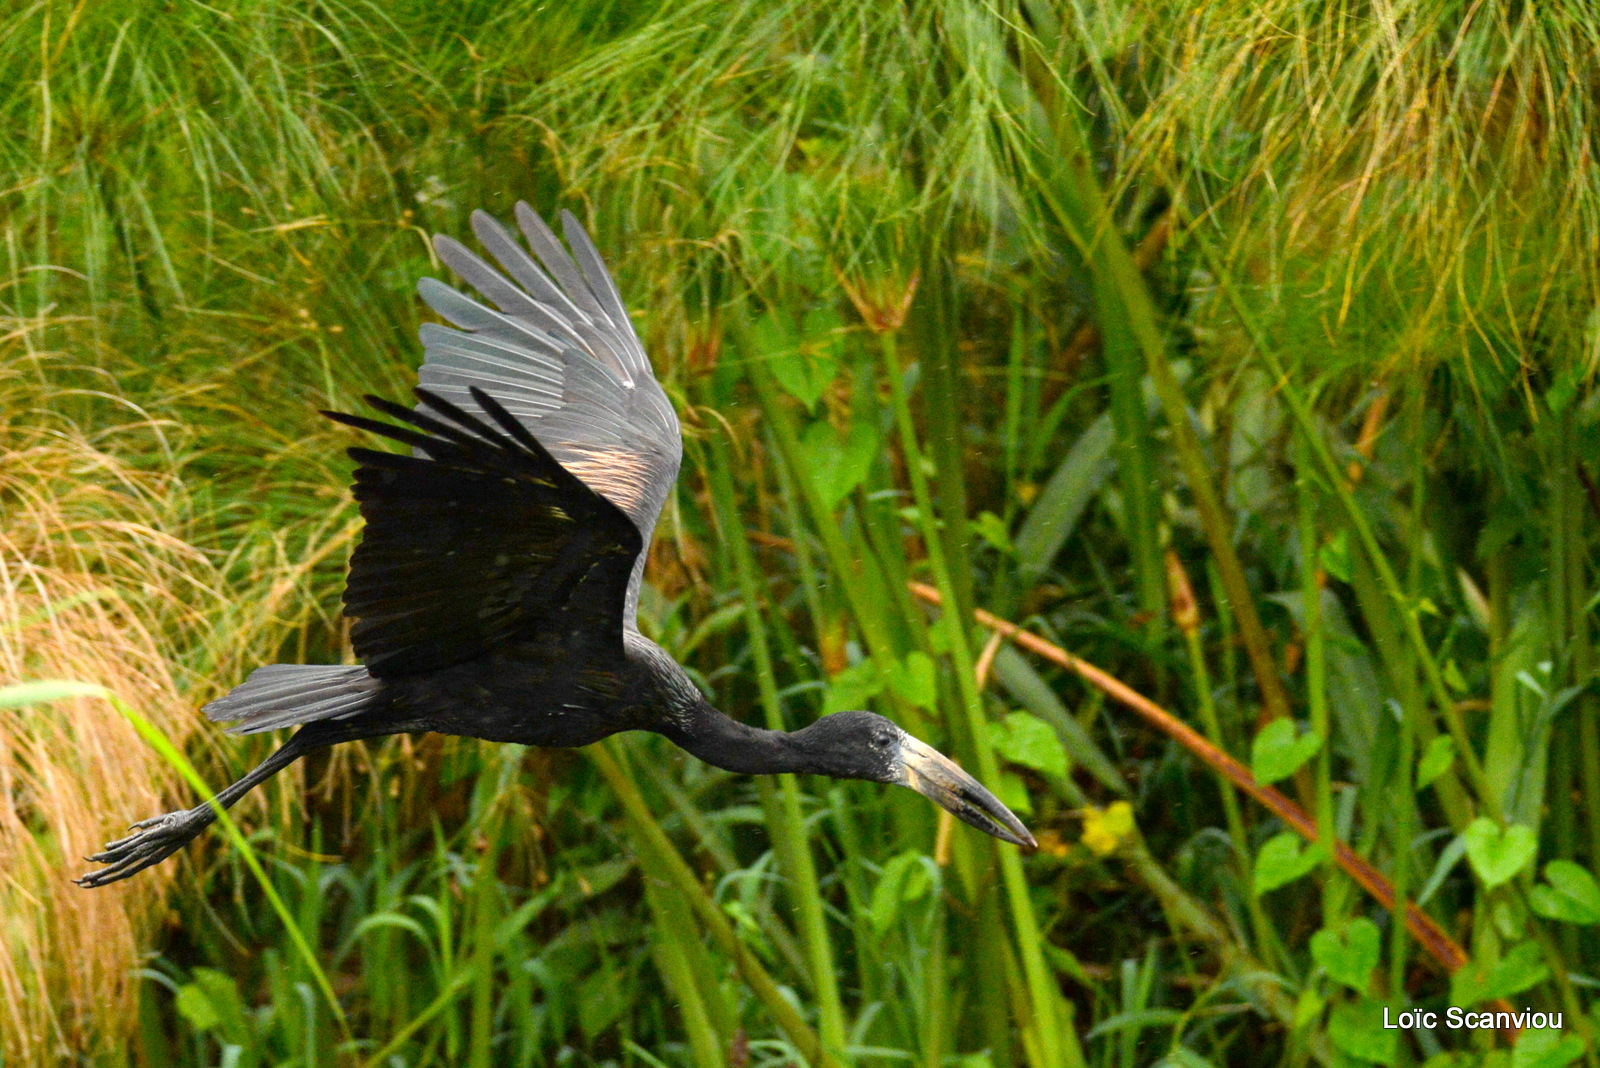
(494, 593)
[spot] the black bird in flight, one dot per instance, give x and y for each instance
(496, 588)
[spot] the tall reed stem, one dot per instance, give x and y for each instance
(1055, 1048)
(789, 834)
(1316, 661)
(661, 858)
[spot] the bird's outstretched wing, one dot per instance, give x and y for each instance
(478, 540)
(562, 357)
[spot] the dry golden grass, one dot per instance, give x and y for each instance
(103, 579)
(93, 572)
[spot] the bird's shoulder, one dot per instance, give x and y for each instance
(657, 679)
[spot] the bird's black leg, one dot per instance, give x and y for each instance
(158, 837)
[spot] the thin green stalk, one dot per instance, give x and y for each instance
(1333, 476)
(809, 587)
(1316, 663)
(1404, 796)
(667, 940)
(794, 851)
(777, 932)
(1578, 520)
(1054, 1048)
(1582, 1021)
(461, 978)
(1082, 211)
(855, 572)
(486, 892)
(935, 1019)
(1230, 799)
(662, 860)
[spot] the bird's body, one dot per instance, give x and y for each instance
(495, 591)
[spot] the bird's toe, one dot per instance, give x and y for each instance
(154, 840)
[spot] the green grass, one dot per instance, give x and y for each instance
(1027, 302)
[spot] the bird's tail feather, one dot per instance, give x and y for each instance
(287, 695)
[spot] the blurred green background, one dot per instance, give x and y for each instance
(1245, 348)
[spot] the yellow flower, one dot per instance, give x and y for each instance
(1105, 828)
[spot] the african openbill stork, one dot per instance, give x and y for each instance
(496, 587)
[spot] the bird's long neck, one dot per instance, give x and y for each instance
(720, 740)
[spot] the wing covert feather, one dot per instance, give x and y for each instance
(476, 541)
(561, 355)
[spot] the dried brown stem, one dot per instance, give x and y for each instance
(1428, 934)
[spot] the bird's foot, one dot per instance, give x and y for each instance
(154, 840)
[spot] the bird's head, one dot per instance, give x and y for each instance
(865, 745)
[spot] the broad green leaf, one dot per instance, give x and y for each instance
(838, 465)
(602, 999)
(1564, 388)
(212, 1003)
(1348, 960)
(1479, 981)
(195, 1006)
(1282, 861)
(1277, 753)
(1498, 855)
(1028, 740)
(804, 363)
(1034, 693)
(853, 687)
(1545, 1047)
(1356, 1028)
(1013, 793)
(913, 679)
(1570, 895)
(1436, 760)
(1183, 1057)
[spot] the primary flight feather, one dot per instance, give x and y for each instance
(495, 590)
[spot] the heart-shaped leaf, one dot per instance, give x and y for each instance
(1348, 960)
(1479, 981)
(1013, 793)
(1570, 895)
(1545, 1047)
(1498, 855)
(838, 465)
(1028, 740)
(852, 687)
(1356, 1028)
(1282, 861)
(1277, 753)
(913, 680)
(804, 362)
